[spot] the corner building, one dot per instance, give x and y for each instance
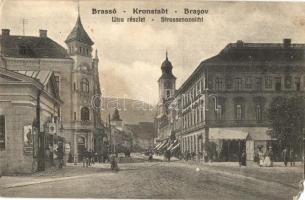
(224, 101)
(77, 117)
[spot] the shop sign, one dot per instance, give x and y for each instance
(28, 139)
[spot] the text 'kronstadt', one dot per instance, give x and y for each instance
(150, 11)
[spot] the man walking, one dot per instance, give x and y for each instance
(285, 156)
(292, 157)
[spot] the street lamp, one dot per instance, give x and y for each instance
(304, 153)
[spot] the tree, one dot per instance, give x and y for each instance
(287, 119)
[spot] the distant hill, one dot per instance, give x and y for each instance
(131, 111)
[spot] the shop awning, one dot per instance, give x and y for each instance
(162, 145)
(175, 147)
(172, 145)
(260, 136)
(158, 145)
(225, 134)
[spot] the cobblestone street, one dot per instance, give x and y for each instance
(158, 180)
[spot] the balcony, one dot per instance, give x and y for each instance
(83, 124)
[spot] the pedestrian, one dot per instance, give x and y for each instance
(292, 157)
(260, 157)
(150, 156)
(268, 161)
(193, 155)
(60, 157)
(285, 156)
(84, 158)
(89, 157)
(114, 163)
(242, 158)
(168, 155)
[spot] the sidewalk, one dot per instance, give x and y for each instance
(71, 171)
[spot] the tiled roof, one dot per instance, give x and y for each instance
(250, 53)
(30, 47)
(78, 33)
(259, 52)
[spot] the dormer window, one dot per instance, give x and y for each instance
(22, 49)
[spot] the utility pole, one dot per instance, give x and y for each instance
(304, 153)
(110, 140)
(24, 21)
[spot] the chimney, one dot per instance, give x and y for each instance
(5, 32)
(287, 42)
(43, 33)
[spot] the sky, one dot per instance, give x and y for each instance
(131, 54)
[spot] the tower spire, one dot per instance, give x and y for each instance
(166, 55)
(78, 13)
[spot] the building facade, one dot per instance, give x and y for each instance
(76, 76)
(221, 108)
(81, 118)
(29, 108)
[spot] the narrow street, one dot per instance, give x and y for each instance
(157, 180)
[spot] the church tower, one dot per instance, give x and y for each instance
(167, 81)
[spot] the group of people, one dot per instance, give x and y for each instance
(264, 159)
(189, 156)
(288, 156)
(88, 157)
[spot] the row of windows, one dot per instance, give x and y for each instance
(196, 116)
(191, 143)
(193, 117)
(80, 50)
(256, 83)
(194, 92)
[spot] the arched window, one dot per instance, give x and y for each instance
(85, 85)
(84, 114)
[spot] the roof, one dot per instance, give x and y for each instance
(259, 52)
(42, 76)
(39, 78)
(78, 33)
(30, 47)
(250, 53)
(166, 68)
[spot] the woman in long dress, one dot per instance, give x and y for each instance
(268, 158)
(260, 157)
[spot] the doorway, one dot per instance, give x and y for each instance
(81, 146)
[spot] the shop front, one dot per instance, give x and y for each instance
(227, 145)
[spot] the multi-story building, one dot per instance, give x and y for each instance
(76, 78)
(224, 101)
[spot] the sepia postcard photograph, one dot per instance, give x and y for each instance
(138, 99)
